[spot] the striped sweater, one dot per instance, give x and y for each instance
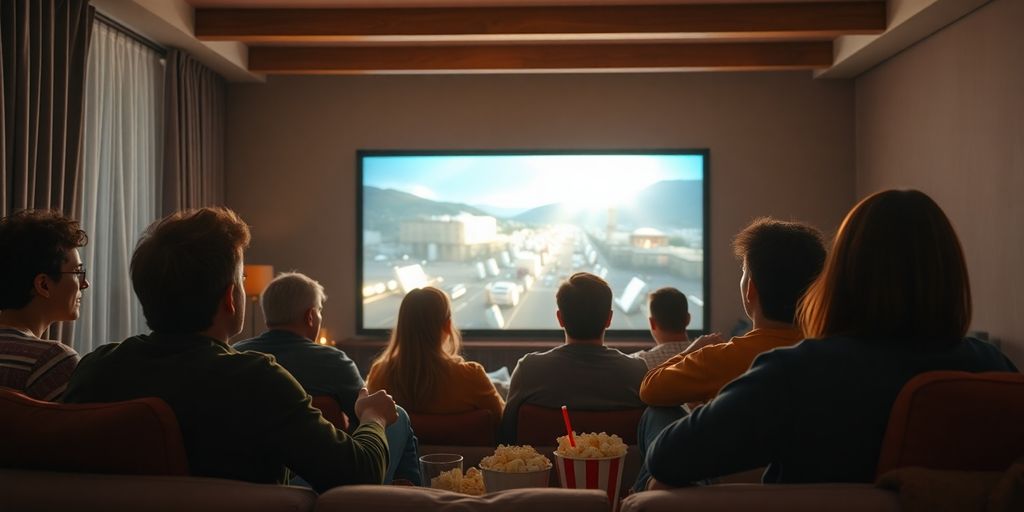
(39, 368)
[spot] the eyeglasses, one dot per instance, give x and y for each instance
(81, 273)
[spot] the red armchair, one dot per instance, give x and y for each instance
(540, 426)
(956, 420)
(473, 428)
(138, 436)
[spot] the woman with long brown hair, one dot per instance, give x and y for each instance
(893, 301)
(421, 366)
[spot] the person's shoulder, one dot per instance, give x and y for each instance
(45, 348)
(980, 347)
(618, 355)
(637, 364)
(114, 346)
(57, 350)
(254, 357)
(798, 354)
(256, 368)
(248, 344)
(739, 347)
(642, 353)
(327, 351)
(988, 353)
(469, 367)
(540, 356)
(241, 360)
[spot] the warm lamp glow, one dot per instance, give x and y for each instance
(257, 277)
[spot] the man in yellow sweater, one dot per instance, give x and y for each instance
(780, 260)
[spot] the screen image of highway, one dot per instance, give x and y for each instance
(500, 233)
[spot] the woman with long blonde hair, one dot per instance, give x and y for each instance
(421, 366)
(892, 301)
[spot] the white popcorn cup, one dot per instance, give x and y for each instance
(603, 473)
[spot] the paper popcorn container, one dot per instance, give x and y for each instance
(604, 474)
(501, 480)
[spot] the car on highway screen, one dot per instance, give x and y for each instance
(499, 232)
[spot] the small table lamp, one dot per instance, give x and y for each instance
(257, 277)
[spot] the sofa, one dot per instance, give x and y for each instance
(30, 491)
(766, 498)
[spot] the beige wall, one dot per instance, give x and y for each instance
(781, 144)
(947, 116)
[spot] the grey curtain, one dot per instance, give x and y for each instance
(194, 109)
(43, 49)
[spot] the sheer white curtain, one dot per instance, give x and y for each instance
(121, 158)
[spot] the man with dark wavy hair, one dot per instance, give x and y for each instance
(42, 280)
(242, 415)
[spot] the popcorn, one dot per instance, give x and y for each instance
(450, 480)
(515, 459)
(592, 446)
(471, 483)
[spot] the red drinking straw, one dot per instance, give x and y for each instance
(568, 426)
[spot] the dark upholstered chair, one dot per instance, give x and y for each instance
(473, 428)
(138, 436)
(956, 420)
(540, 426)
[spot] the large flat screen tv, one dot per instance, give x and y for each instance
(500, 230)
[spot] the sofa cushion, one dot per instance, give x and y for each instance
(30, 491)
(766, 498)
(385, 499)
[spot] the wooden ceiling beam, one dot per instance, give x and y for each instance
(570, 57)
(700, 21)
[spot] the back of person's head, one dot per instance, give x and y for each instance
(33, 242)
(783, 259)
(668, 306)
(419, 344)
(585, 301)
(289, 296)
(896, 271)
(184, 264)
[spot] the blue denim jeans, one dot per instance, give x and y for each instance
(653, 421)
(403, 450)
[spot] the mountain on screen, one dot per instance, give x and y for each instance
(666, 205)
(383, 209)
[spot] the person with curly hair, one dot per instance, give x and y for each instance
(42, 278)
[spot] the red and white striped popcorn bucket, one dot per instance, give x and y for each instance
(604, 474)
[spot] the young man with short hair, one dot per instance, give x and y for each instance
(780, 260)
(669, 317)
(43, 279)
(583, 373)
(242, 415)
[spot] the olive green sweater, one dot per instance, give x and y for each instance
(242, 415)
